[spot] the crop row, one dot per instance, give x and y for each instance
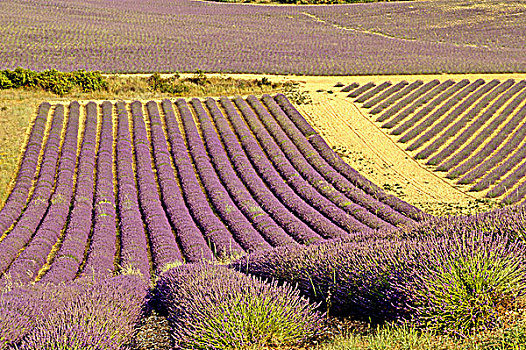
(198, 181)
(472, 130)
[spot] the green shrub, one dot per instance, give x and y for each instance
(60, 83)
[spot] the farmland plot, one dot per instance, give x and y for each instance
(469, 131)
(143, 187)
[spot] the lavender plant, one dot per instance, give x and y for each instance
(396, 95)
(373, 92)
(385, 94)
(213, 307)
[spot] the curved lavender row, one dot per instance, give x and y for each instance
(477, 124)
(502, 169)
(396, 96)
(71, 253)
(291, 164)
(381, 97)
(263, 222)
(361, 89)
(433, 117)
(430, 106)
(322, 176)
(450, 117)
(36, 209)
(242, 230)
(299, 230)
(298, 181)
(338, 164)
(421, 96)
(102, 250)
(25, 268)
(134, 254)
(510, 147)
(218, 236)
(350, 87)
(495, 142)
(371, 93)
(190, 238)
(508, 182)
(24, 180)
(164, 248)
(455, 128)
(273, 179)
(516, 195)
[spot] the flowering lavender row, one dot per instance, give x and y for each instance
(396, 95)
(134, 246)
(338, 164)
(163, 246)
(450, 102)
(450, 117)
(496, 140)
(350, 87)
(189, 237)
(272, 178)
(296, 228)
(373, 92)
(289, 173)
(242, 229)
(71, 254)
(510, 147)
(416, 99)
(262, 221)
(24, 179)
(362, 89)
(508, 182)
(102, 250)
(457, 126)
(323, 176)
(516, 195)
(26, 266)
(444, 96)
(24, 229)
(214, 230)
(476, 125)
(302, 167)
(496, 174)
(388, 92)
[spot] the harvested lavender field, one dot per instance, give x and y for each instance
(375, 38)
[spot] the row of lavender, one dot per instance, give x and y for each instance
(472, 130)
(204, 181)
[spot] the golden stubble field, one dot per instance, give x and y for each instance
(344, 125)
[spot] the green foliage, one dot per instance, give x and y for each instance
(60, 83)
(169, 85)
(468, 283)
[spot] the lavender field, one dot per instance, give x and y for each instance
(472, 131)
(374, 38)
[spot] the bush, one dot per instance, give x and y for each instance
(77, 315)
(60, 83)
(467, 283)
(212, 307)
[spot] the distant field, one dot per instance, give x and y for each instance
(355, 39)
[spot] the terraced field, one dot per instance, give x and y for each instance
(133, 186)
(469, 131)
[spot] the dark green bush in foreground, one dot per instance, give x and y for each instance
(52, 80)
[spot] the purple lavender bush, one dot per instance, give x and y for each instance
(213, 307)
(101, 316)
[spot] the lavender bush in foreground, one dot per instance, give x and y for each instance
(103, 316)
(213, 307)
